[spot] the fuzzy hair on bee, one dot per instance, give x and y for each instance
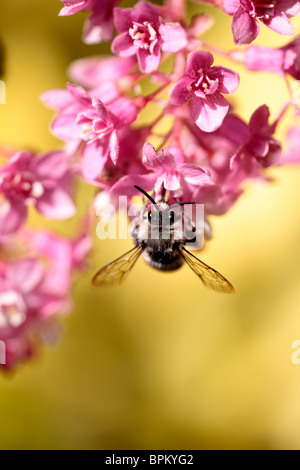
(160, 239)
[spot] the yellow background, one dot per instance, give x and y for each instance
(160, 362)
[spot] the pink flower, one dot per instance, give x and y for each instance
(274, 14)
(204, 85)
(283, 60)
(99, 25)
(199, 25)
(35, 290)
(42, 181)
(174, 10)
(95, 71)
(291, 62)
(19, 305)
(19, 280)
(129, 162)
(63, 257)
(84, 118)
(74, 6)
(214, 150)
(260, 144)
(258, 58)
(166, 170)
(217, 199)
(144, 33)
(291, 156)
(26, 310)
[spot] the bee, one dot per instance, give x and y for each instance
(160, 240)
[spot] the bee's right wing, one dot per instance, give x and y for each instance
(209, 276)
(116, 271)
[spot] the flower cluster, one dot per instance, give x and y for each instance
(274, 14)
(35, 289)
(207, 154)
(99, 25)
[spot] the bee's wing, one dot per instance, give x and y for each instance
(208, 276)
(116, 271)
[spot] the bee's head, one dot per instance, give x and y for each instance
(161, 214)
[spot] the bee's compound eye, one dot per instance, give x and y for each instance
(149, 216)
(171, 217)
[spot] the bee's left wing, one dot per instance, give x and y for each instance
(116, 271)
(209, 276)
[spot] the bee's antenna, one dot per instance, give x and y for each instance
(145, 194)
(183, 203)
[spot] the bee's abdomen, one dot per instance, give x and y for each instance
(163, 261)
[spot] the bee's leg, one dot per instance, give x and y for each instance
(134, 226)
(189, 230)
(134, 229)
(190, 235)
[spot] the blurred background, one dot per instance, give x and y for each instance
(159, 362)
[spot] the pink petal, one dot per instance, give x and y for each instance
(234, 130)
(181, 91)
(244, 27)
(26, 274)
(148, 61)
(173, 37)
(230, 6)
(106, 92)
(95, 32)
(209, 113)
(260, 58)
(123, 19)
(208, 195)
(292, 154)
(290, 59)
(56, 203)
(73, 7)
(259, 119)
(65, 127)
(94, 157)
(194, 174)
(123, 112)
(53, 165)
(57, 99)
(93, 71)
(279, 23)
(171, 181)
(177, 154)
(12, 216)
(79, 93)
(145, 11)
(21, 161)
(228, 79)
(149, 156)
(125, 186)
(123, 46)
(259, 146)
(225, 202)
(200, 24)
(81, 248)
(198, 60)
(290, 7)
(153, 161)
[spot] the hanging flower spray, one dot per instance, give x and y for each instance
(206, 156)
